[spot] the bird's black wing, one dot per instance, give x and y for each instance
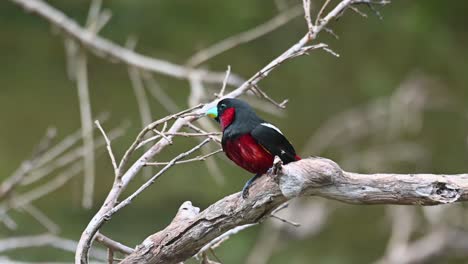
(270, 138)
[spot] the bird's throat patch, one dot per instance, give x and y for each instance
(227, 117)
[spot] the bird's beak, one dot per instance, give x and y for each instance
(213, 113)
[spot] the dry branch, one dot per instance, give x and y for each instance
(244, 37)
(126, 172)
(10, 183)
(42, 240)
(86, 128)
(112, 244)
(182, 239)
(107, 49)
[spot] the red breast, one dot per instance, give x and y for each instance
(248, 154)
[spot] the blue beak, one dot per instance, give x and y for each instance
(213, 113)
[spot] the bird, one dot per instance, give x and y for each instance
(249, 141)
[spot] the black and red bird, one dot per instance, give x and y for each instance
(248, 140)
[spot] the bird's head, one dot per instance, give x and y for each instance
(227, 109)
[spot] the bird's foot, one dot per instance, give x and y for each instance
(277, 163)
(245, 190)
(270, 171)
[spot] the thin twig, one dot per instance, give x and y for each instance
(140, 94)
(220, 239)
(140, 137)
(68, 158)
(65, 144)
(201, 131)
(141, 98)
(244, 37)
(139, 89)
(42, 190)
(110, 243)
(86, 128)
(281, 105)
(42, 218)
(359, 12)
(160, 134)
(9, 184)
(318, 18)
(159, 94)
(306, 6)
(16, 243)
(280, 208)
(110, 255)
(148, 183)
(198, 158)
(7, 220)
(285, 220)
(212, 135)
(108, 146)
(223, 88)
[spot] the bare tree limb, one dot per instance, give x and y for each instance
(15, 243)
(129, 199)
(61, 147)
(68, 158)
(311, 176)
(107, 49)
(198, 158)
(86, 129)
(110, 243)
(437, 243)
(157, 92)
(42, 218)
(142, 99)
(244, 37)
(223, 88)
(108, 146)
(125, 175)
(306, 6)
(10, 183)
(217, 241)
(48, 187)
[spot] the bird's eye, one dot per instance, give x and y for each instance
(222, 106)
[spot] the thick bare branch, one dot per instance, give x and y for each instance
(312, 176)
(323, 177)
(125, 175)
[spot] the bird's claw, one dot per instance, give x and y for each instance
(270, 171)
(245, 192)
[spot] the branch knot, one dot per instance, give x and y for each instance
(443, 192)
(299, 177)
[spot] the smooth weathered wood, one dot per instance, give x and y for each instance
(190, 230)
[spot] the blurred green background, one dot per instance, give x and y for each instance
(424, 36)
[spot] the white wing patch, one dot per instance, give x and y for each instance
(272, 126)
